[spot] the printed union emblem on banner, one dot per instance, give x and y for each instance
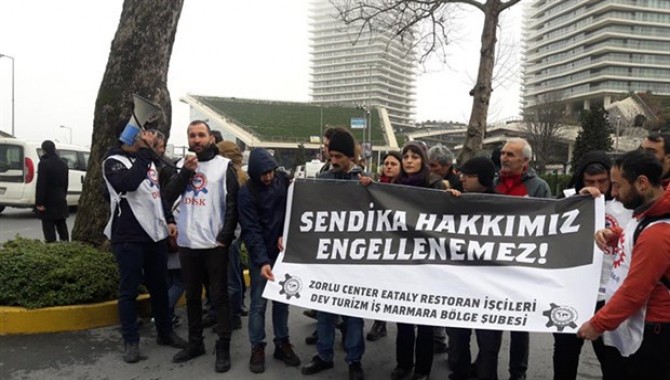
(291, 286)
(358, 123)
(421, 256)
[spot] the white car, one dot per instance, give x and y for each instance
(18, 171)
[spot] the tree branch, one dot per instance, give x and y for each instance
(508, 4)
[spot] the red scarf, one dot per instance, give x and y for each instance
(511, 185)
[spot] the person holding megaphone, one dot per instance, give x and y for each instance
(139, 224)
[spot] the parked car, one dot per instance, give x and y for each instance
(18, 171)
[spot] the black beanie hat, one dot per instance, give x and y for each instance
(342, 142)
(483, 167)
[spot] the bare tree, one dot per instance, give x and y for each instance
(138, 62)
(423, 26)
(543, 127)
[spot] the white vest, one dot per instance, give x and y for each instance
(627, 337)
(202, 207)
(615, 216)
(145, 202)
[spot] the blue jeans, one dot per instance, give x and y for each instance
(235, 279)
(354, 344)
(135, 259)
(175, 289)
(257, 312)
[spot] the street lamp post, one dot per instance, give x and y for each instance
(12, 58)
(70, 129)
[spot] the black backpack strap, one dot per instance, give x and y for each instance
(638, 230)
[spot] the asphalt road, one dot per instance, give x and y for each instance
(96, 354)
(22, 221)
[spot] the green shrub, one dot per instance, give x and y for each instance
(557, 182)
(34, 274)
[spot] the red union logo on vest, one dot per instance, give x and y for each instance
(194, 201)
(152, 175)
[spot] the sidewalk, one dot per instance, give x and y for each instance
(96, 354)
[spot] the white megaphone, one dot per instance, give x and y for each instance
(144, 111)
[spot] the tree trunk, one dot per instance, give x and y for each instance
(481, 93)
(138, 63)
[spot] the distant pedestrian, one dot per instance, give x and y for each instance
(51, 193)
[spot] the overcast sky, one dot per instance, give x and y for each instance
(246, 49)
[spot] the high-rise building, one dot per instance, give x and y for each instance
(588, 52)
(368, 69)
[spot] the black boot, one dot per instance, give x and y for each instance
(377, 331)
(192, 350)
(222, 363)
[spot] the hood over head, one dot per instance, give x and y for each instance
(260, 161)
(596, 156)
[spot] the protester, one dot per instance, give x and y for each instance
(218, 137)
(140, 221)
(206, 222)
(477, 176)
(636, 315)
(415, 172)
(495, 157)
(327, 134)
(392, 162)
(231, 151)
(262, 207)
(51, 193)
(166, 172)
(341, 150)
(659, 145)
(519, 179)
(593, 172)
(440, 161)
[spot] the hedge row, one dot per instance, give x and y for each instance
(34, 274)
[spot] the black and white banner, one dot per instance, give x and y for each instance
(413, 255)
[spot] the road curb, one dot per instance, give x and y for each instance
(19, 320)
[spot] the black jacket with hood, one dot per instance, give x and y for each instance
(262, 209)
(593, 157)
